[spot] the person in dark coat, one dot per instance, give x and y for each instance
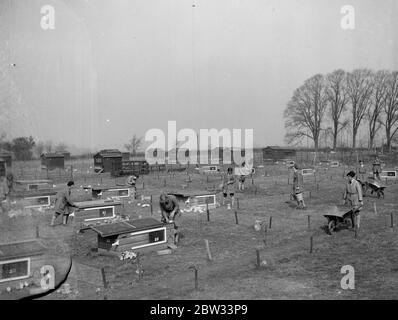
(171, 213)
(354, 197)
(63, 204)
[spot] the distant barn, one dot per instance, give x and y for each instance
(109, 160)
(51, 161)
(2, 168)
(274, 153)
(66, 155)
(6, 157)
(126, 156)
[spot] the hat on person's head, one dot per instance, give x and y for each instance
(295, 166)
(163, 197)
(70, 183)
(351, 174)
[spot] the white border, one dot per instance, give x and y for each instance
(38, 205)
(308, 174)
(17, 278)
(153, 243)
(388, 177)
(128, 192)
(103, 218)
(210, 204)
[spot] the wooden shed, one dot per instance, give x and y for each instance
(136, 167)
(109, 160)
(6, 156)
(275, 153)
(51, 161)
(21, 264)
(126, 156)
(136, 235)
(2, 168)
(96, 212)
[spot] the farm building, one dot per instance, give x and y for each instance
(126, 156)
(109, 160)
(51, 161)
(6, 157)
(137, 167)
(275, 153)
(66, 155)
(2, 168)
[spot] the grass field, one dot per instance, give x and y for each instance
(290, 272)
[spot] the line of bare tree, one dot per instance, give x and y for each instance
(346, 100)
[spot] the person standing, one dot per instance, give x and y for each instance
(171, 213)
(63, 204)
(131, 182)
(376, 168)
(353, 196)
(297, 178)
(361, 171)
(297, 187)
(241, 180)
(228, 187)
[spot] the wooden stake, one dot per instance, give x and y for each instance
(258, 258)
(265, 235)
(270, 222)
(311, 244)
(392, 220)
(375, 208)
(208, 214)
(105, 283)
(196, 276)
(37, 232)
(309, 222)
(236, 217)
(208, 250)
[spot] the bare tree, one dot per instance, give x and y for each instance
(390, 122)
(359, 89)
(39, 149)
(377, 103)
(338, 99)
(61, 147)
(48, 146)
(133, 145)
(305, 111)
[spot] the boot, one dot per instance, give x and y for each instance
(53, 221)
(65, 220)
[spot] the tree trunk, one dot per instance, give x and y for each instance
(371, 141)
(388, 139)
(335, 136)
(354, 136)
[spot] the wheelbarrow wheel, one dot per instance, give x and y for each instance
(332, 226)
(348, 222)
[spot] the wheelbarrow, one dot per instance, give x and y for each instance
(375, 187)
(338, 220)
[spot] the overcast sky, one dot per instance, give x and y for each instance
(111, 69)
